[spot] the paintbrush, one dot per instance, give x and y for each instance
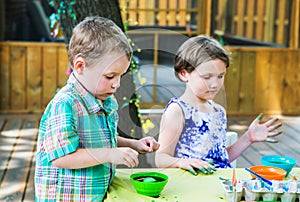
(260, 177)
(234, 182)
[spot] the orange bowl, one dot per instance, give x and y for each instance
(269, 172)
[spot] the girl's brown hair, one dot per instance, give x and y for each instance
(197, 50)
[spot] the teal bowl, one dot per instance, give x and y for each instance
(149, 183)
(284, 162)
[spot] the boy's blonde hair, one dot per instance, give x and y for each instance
(197, 50)
(94, 37)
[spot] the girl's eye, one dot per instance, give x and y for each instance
(109, 77)
(221, 76)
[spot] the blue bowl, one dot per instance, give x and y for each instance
(284, 162)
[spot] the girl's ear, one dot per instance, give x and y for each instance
(79, 65)
(183, 75)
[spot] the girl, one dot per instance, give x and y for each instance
(193, 127)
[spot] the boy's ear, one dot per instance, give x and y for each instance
(79, 65)
(183, 75)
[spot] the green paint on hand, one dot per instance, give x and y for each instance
(260, 116)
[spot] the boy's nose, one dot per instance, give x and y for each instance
(115, 85)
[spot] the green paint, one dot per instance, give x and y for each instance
(260, 116)
(279, 162)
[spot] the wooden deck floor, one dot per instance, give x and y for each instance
(17, 145)
(18, 135)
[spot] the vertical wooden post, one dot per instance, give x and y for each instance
(17, 71)
(239, 19)
(132, 13)
(123, 8)
(172, 13)
(181, 14)
(259, 20)
(295, 25)
(221, 15)
(250, 19)
(280, 23)
(142, 19)
(155, 62)
(270, 16)
(2, 20)
(34, 78)
(162, 15)
(150, 16)
(203, 16)
(5, 77)
(208, 6)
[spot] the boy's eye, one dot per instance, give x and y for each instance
(220, 76)
(206, 77)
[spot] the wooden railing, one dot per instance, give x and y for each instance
(259, 79)
(157, 13)
(263, 20)
(180, 15)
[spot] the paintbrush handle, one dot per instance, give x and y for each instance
(260, 177)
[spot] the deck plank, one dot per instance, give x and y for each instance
(8, 138)
(288, 141)
(14, 182)
(28, 194)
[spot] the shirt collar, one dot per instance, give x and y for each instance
(90, 102)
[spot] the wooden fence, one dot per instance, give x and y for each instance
(259, 79)
(265, 20)
(30, 74)
(263, 80)
(158, 13)
(272, 21)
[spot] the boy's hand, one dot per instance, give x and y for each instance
(125, 156)
(261, 132)
(146, 144)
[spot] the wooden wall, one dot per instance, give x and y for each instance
(259, 79)
(30, 74)
(263, 80)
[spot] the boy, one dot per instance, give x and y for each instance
(78, 147)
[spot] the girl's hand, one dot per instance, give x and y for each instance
(146, 144)
(192, 165)
(261, 132)
(125, 156)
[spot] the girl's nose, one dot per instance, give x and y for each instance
(215, 83)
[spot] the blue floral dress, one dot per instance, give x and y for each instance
(204, 134)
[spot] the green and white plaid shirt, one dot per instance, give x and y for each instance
(74, 119)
